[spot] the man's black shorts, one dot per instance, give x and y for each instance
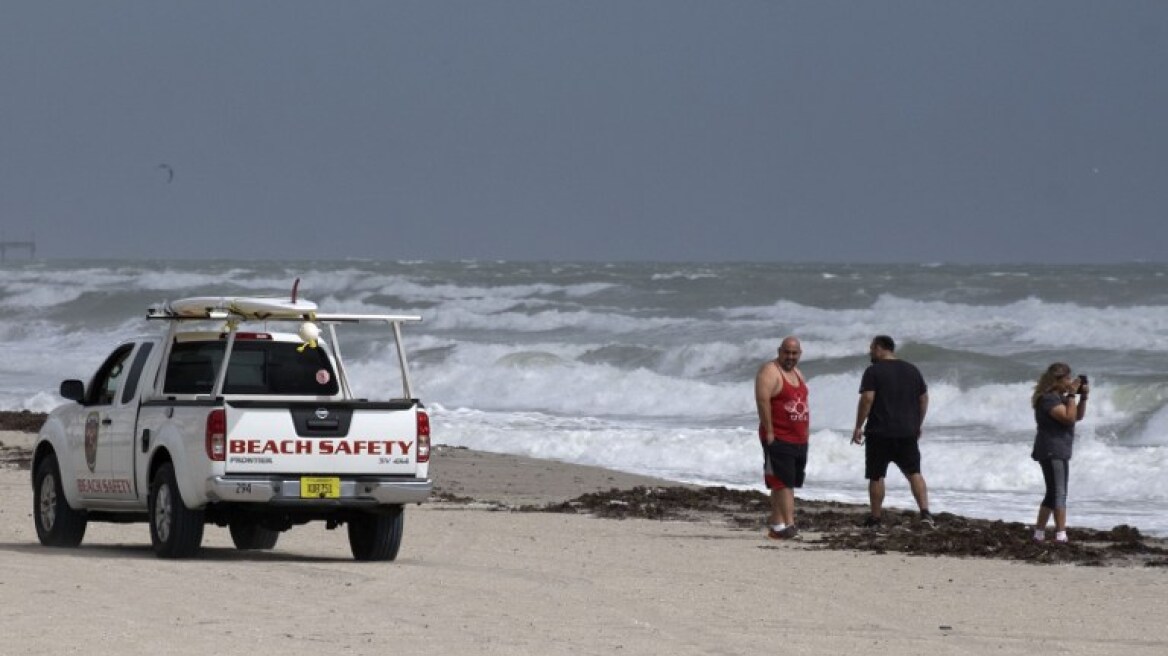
(880, 451)
(785, 464)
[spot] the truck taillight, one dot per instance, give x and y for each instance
(423, 436)
(217, 434)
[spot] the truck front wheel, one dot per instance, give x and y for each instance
(57, 525)
(175, 530)
(376, 536)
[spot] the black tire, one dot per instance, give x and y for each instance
(247, 534)
(57, 525)
(175, 530)
(376, 536)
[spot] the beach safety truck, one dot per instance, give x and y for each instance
(224, 420)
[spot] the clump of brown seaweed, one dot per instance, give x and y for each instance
(832, 525)
(22, 420)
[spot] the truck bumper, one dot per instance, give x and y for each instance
(281, 490)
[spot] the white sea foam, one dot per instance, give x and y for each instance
(683, 275)
(1020, 325)
(23, 296)
(1155, 431)
(960, 473)
(553, 383)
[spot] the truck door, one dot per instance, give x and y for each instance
(124, 441)
(107, 420)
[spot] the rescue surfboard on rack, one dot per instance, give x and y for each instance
(248, 307)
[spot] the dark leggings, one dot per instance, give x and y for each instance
(1055, 473)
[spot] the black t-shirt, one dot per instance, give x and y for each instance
(896, 411)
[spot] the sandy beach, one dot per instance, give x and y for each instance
(474, 576)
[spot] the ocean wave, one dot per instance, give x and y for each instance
(731, 456)
(683, 275)
(1021, 325)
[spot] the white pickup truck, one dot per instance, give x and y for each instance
(223, 421)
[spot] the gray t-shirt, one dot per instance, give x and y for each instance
(1054, 440)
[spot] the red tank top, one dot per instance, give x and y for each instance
(790, 415)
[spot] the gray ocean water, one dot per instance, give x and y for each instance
(648, 367)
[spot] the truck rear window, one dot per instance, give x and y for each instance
(257, 367)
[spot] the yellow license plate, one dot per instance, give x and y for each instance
(320, 487)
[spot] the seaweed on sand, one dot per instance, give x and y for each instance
(832, 525)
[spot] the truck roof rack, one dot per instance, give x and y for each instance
(235, 309)
(254, 308)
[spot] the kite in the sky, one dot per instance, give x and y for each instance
(169, 172)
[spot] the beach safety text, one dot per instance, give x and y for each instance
(320, 447)
(103, 486)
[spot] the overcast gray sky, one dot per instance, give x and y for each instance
(759, 130)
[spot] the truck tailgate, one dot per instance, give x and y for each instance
(321, 438)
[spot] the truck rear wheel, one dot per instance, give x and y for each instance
(376, 536)
(247, 534)
(57, 525)
(175, 530)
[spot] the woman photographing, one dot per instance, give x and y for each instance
(1056, 410)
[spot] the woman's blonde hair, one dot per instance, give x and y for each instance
(1047, 380)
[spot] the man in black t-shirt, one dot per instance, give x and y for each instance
(893, 403)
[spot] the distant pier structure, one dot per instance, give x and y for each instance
(8, 245)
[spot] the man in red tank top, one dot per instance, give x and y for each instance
(780, 392)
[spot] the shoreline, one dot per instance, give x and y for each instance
(519, 484)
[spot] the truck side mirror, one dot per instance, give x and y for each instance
(74, 390)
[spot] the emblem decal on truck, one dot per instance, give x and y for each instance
(91, 431)
(322, 413)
